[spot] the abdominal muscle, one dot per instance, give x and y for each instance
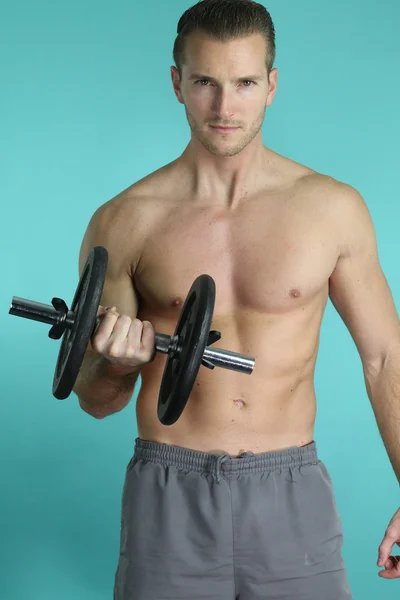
(229, 412)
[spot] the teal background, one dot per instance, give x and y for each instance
(87, 108)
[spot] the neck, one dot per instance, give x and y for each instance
(224, 180)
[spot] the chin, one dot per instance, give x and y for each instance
(219, 149)
(224, 151)
(228, 153)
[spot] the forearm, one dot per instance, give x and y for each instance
(384, 392)
(103, 388)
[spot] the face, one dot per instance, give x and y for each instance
(225, 90)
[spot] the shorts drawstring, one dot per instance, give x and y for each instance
(220, 460)
(223, 458)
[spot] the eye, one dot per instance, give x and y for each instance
(248, 83)
(203, 82)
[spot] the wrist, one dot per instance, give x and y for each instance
(111, 369)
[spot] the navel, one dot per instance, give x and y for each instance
(239, 403)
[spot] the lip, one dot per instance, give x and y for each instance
(225, 130)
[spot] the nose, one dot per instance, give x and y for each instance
(223, 105)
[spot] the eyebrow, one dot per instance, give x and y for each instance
(200, 76)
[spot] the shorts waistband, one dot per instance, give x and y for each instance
(225, 464)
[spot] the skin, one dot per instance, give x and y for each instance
(278, 238)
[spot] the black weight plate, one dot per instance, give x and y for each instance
(85, 306)
(181, 371)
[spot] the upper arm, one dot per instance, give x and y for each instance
(358, 287)
(107, 228)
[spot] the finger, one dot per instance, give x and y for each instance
(141, 341)
(148, 336)
(386, 547)
(120, 331)
(392, 572)
(391, 563)
(104, 331)
(148, 341)
(134, 336)
(103, 309)
(108, 321)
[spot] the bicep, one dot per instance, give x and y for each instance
(118, 287)
(358, 287)
(361, 295)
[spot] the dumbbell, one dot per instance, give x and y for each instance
(187, 349)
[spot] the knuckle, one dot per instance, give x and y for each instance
(137, 327)
(132, 354)
(97, 345)
(135, 330)
(147, 354)
(110, 316)
(114, 351)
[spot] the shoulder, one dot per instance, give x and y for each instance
(343, 201)
(305, 181)
(338, 197)
(135, 208)
(347, 213)
(123, 223)
(340, 208)
(324, 186)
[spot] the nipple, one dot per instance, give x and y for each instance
(177, 301)
(295, 293)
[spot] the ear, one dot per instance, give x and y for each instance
(176, 83)
(273, 85)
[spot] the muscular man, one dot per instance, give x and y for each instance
(232, 501)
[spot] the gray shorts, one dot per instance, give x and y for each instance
(199, 526)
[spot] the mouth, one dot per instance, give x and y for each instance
(224, 130)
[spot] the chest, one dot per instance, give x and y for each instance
(262, 258)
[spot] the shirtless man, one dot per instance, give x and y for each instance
(232, 500)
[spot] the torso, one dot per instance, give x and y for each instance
(271, 258)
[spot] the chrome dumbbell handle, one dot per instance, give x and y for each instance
(65, 319)
(216, 356)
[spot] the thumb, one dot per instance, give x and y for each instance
(103, 309)
(148, 339)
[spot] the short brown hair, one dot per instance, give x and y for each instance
(226, 20)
